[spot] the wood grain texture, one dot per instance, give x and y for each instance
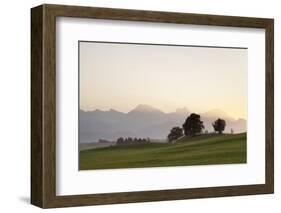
(43, 105)
(36, 106)
(269, 105)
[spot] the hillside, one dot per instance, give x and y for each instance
(200, 150)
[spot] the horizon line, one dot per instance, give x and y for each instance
(180, 108)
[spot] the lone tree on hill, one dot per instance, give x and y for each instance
(193, 125)
(175, 133)
(219, 125)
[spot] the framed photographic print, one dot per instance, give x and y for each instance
(136, 106)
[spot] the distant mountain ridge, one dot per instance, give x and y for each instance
(144, 121)
(217, 113)
(145, 108)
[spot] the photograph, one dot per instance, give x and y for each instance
(157, 105)
(137, 105)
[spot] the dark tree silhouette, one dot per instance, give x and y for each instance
(120, 140)
(129, 141)
(175, 133)
(219, 125)
(193, 125)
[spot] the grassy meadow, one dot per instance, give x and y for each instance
(198, 150)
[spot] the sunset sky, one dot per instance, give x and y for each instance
(121, 76)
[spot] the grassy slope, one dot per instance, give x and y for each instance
(200, 150)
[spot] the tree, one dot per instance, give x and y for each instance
(219, 125)
(130, 140)
(193, 125)
(120, 141)
(175, 133)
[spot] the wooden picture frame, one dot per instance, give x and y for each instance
(43, 105)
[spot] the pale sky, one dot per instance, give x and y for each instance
(122, 76)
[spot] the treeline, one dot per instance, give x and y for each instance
(129, 140)
(194, 126)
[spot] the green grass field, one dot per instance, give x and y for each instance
(199, 150)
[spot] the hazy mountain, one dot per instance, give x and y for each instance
(183, 110)
(142, 108)
(144, 121)
(217, 113)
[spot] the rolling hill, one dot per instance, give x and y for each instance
(199, 150)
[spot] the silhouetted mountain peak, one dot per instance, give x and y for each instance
(145, 108)
(113, 110)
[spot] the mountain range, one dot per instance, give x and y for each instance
(144, 121)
